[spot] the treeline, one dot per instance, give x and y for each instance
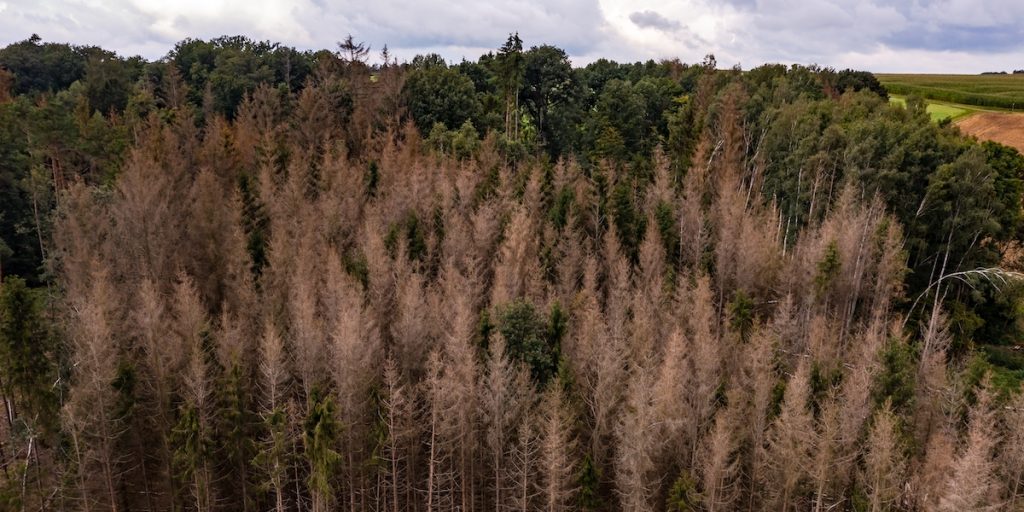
(280, 280)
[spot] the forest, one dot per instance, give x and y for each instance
(246, 277)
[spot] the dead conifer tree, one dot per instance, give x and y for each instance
(557, 467)
(396, 411)
(718, 462)
(354, 363)
(499, 410)
(273, 453)
(194, 431)
(637, 441)
(440, 483)
(884, 463)
(523, 466)
(705, 371)
(91, 411)
(826, 455)
(511, 270)
(600, 365)
(791, 440)
(974, 484)
(1012, 460)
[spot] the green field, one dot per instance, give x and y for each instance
(990, 91)
(939, 110)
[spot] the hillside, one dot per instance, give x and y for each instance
(248, 277)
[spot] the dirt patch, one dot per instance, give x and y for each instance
(1005, 129)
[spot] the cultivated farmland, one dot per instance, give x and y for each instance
(992, 91)
(1003, 128)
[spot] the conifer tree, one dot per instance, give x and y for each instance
(973, 484)
(91, 411)
(791, 440)
(883, 461)
(556, 460)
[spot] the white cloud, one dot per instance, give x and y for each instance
(924, 35)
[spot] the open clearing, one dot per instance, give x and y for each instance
(940, 110)
(1002, 127)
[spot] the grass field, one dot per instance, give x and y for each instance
(990, 91)
(940, 110)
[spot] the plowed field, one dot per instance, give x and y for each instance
(1003, 128)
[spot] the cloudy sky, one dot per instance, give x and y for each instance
(950, 36)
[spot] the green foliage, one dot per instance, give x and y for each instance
(193, 444)
(27, 352)
(668, 229)
(230, 67)
(1004, 371)
(741, 313)
(589, 483)
(824, 379)
(255, 222)
(859, 499)
(11, 486)
(620, 123)
(683, 133)
(109, 82)
(42, 145)
(828, 269)
(964, 208)
(964, 322)
(372, 178)
(530, 339)
(273, 458)
(357, 267)
(411, 230)
(320, 436)
(236, 423)
(439, 94)
(126, 384)
(629, 223)
(46, 67)
(1008, 182)
(896, 379)
(852, 80)
(683, 496)
(461, 143)
(561, 206)
(550, 94)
